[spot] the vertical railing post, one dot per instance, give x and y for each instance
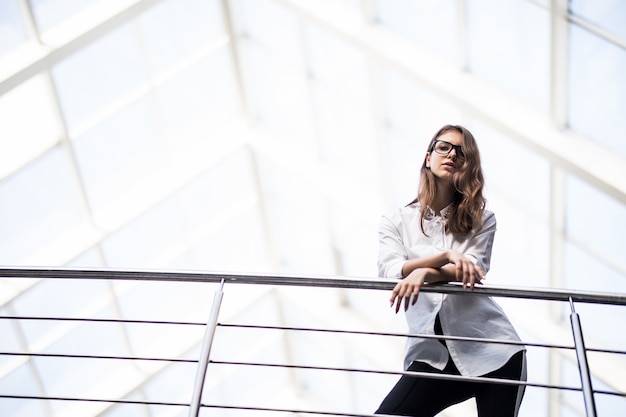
(203, 361)
(583, 367)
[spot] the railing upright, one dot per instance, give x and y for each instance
(203, 361)
(583, 366)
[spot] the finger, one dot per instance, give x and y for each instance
(481, 274)
(398, 299)
(398, 303)
(416, 293)
(467, 275)
(394, 294)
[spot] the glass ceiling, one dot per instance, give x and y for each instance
(268, 136)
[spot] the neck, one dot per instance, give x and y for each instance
(442, 199)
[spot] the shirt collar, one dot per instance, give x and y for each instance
(445, 212)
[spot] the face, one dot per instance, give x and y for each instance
(441, 165)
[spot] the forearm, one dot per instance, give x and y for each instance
(436, 261)
(437, 275)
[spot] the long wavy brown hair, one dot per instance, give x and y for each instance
(468, 204)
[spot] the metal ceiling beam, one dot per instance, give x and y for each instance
(600, 167)
(41, 57)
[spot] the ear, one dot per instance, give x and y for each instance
(428, 160)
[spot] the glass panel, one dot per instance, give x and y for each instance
(49, 13)
(220, 190)
(99, 75)
(125, 410)
(572, 402)
(115, 155)
(237, 244)
(510, 177)
(88, 259)
(198, 100)
(41, 203)
(536, 400)
(272, 28)
(586, 272)
(509, 46)
(405, 159)
(354, 237)
(338, 63)
(597, 89)
(296, 215)
(164, 301)
(58, 298)
(173, 29)
(149, 241)
(21, 381)
(596, 221)
(12, 31)
(607, 405)
(345, 125)
(342, 104)
(21, 140)
(278, 96)
(8, 342)
(609, 15)
(520, 236)
(415, 111)
(219, 207)
(161, 389)
(432, 24)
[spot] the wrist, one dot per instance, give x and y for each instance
(428, 275)
(448, 256)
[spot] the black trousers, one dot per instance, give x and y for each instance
(425, 397)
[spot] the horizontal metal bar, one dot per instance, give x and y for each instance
(394, 334)
(422, 335)
(448, 377)
(225, 407)
(478, 379)
(313, 281)
(312, 329)
(288, 410)
(102, 320)
(81, 356)
(92, 400)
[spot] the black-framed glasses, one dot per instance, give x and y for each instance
(444, 148)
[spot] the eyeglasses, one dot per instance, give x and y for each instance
(444, 148)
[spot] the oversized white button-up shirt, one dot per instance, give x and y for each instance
(400, 239)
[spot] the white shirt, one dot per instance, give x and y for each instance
(401, 239)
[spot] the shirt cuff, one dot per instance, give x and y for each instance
(395, 270)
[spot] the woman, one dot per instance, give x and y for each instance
(444, 235)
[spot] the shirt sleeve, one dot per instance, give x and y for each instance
(481, 243)
(392, 253)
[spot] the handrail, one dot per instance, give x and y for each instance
(547, 294)
(312, 281)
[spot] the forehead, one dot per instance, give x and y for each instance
(453, 137)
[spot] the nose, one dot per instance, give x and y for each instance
(452, 154)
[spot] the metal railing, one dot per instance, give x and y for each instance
(204, 358)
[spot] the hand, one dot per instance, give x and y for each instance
(466, 271)
(408, 289)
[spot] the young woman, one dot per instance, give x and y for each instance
(444, 235)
